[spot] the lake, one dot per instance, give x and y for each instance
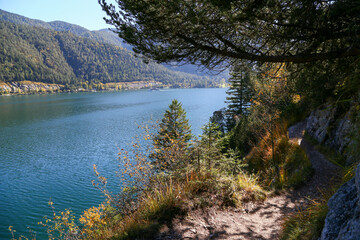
(49, 143)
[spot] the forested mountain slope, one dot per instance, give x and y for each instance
(44, 55)
(103, 36)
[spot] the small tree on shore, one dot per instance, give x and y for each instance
(172, 139)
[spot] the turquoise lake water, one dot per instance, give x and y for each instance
(49, 143)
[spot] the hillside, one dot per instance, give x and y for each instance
(44, 55)
(102, 36)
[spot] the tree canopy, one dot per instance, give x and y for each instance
(213, 32)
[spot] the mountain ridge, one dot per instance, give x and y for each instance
(103, 36)
(39, 54)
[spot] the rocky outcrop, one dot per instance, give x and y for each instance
(328, 128)
(319, 121)
(333, 128)
(343, 219)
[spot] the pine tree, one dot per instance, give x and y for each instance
(240, 94)
(216, 33)
(209, 140)
(172, 139)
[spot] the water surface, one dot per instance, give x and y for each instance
(49, 143)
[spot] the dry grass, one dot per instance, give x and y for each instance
(172, 197)
(306, 224)
(279, 162)
(249, 189)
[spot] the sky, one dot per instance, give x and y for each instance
(86, 13)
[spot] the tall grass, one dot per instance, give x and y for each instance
(279, 162)
(306, 224)
(171, 196)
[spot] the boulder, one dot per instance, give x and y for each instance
(319, 121)
(331, 130)
(343, 219)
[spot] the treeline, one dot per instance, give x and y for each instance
(43, 55)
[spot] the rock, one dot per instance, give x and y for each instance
(357, 180)
(324, 127)
(319, 121)
(193, 230)
(339, 135)
(334, 129)
(352, 229)
(343, 219)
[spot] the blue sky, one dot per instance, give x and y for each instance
(86, 13)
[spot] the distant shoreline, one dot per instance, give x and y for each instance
(39, 88)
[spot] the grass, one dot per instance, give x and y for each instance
(249, 189)
(306, 224)
(279, 162)
(173, 197)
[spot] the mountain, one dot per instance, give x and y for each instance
(103, 36)
(44, 55)
(193, 69)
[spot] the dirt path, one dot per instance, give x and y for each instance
(260, 220)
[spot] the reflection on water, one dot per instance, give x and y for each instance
(48, 144)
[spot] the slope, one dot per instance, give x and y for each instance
(104, 36)
(44, 55)
(258, 220)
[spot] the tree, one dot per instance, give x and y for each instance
(213, 32)
(172, 139)
(239, 94)
(271, 97)
(209, 140)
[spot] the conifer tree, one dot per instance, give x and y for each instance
(240, 94)
(172, 139)
(209, 140)
(213, 32)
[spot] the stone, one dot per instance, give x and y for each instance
(323, 126)
(319, 121)
(339, 136)
(351, 231)
(343, 219)
(357, 180)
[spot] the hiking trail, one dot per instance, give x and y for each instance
(257, 220)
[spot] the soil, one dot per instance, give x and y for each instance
(259, 220)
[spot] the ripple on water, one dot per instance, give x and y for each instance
(49, 143)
